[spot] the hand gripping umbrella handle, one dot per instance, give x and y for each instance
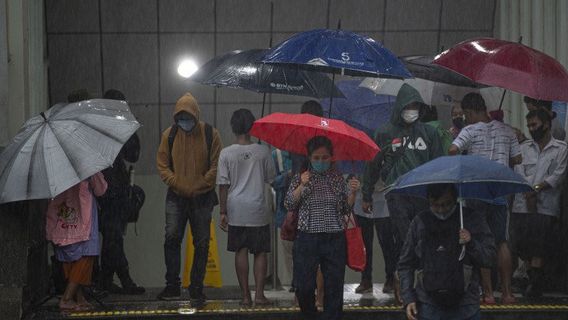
(462, 254)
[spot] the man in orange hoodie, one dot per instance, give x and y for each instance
(187, 162)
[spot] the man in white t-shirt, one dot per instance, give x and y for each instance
(498, 142)
(244, 169)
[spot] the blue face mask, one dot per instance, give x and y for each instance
(186, 124)
(320, 166)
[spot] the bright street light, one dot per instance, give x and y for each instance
(187, 67)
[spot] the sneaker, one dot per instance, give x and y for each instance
(95, 293)
(197, 294)
(364, 287)
(113, 288)
(389, 286)
(170, 293)
(133, 289)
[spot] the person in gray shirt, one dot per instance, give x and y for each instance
(244, 170)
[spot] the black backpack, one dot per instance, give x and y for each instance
(443, 273)
(209, 198)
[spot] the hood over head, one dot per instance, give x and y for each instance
(406, 95)
(187, 103)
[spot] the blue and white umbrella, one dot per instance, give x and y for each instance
(338, 52)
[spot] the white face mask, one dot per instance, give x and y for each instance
(446, 215)
(409, 116)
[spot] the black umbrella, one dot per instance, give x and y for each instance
(242, 69)
(422, 67)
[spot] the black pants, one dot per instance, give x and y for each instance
(328, 250)
(113, 257)
(387, 241)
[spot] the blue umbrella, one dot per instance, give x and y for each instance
(362, 109)
(338, 51)
(475, 178)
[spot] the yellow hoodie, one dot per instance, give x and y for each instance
(192, 177)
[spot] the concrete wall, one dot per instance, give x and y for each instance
(136, 45)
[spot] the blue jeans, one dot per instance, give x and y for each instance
(328, 250)
(432, 312)
(178, 211)
(389, 245)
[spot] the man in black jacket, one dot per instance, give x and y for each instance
(114, 213)
(447, 286)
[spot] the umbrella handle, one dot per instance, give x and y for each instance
(462, 254)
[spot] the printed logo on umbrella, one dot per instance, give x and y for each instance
(287, 87)
(324, 123)
(318, 62)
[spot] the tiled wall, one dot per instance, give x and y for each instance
(136, 45)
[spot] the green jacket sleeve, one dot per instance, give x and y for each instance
(372, 171)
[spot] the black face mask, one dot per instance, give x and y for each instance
(539, 133)
(458, 122)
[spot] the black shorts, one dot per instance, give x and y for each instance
(255, 239)
(532, 234)
(497, 218)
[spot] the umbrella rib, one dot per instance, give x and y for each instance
(90, 126)
(15, 154)
(41, 135)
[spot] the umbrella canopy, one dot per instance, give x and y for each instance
(338, 51)
(242, 69)
(423, 68)
(475, 177)
(361, 108)
(291, 132)
(508, 65)
(437, 85)
(63, 146)
(441, 95)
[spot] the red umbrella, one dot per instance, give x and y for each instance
(291, 132)
(508, 65)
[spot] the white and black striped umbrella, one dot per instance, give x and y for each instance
(62, 146)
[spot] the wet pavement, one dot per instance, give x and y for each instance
(224, 304)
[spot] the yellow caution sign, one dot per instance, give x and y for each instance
(213, 269)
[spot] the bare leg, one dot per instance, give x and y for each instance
(242, 268)
(259, 269)
(505, 271)
(67, 300)
(320, 288)
(486, 286)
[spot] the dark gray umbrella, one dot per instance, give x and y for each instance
(63, 146)
(242, 69)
